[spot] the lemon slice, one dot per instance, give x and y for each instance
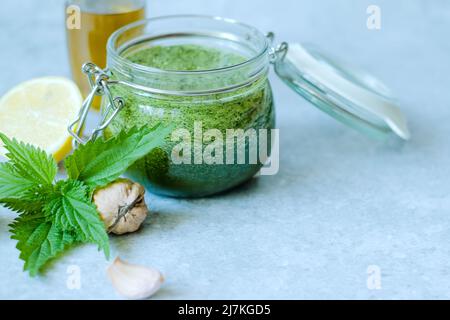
(38, 112)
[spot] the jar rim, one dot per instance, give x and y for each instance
(115, 55)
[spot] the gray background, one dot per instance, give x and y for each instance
(341, 201)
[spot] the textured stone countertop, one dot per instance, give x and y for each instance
(341, 201)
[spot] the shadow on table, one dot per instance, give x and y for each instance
(157, 221)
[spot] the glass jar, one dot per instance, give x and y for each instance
(198, 103)
(220, 115)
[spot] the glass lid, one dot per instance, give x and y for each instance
(349, 95)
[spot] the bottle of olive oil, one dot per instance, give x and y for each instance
(89, 23)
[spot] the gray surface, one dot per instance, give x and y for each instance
(340, 203)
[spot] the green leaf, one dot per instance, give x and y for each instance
(38, 241)
(71, 209)
(23, 207)
(51, 216)
(19, 193)
(100, 162)
(30, 201)
(13, 184)
(29, 162)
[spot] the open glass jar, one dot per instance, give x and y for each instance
(207, 77)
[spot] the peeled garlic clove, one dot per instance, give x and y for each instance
(133, 281)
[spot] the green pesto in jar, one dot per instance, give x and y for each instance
(185, 58)
(243, 108)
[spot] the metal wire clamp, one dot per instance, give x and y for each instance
(277, 53)
(99, 83)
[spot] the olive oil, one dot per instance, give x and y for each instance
(88, 42)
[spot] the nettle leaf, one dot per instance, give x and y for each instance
(19, 193)
(23, 207)
(30, 162)
(13, 184)
(71, 209)
(39, 241)
(53, 216)
(30, 201)
(100, 162)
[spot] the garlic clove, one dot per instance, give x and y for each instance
(134, 281)
(121, 205)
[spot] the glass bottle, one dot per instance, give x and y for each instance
(89, 23)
